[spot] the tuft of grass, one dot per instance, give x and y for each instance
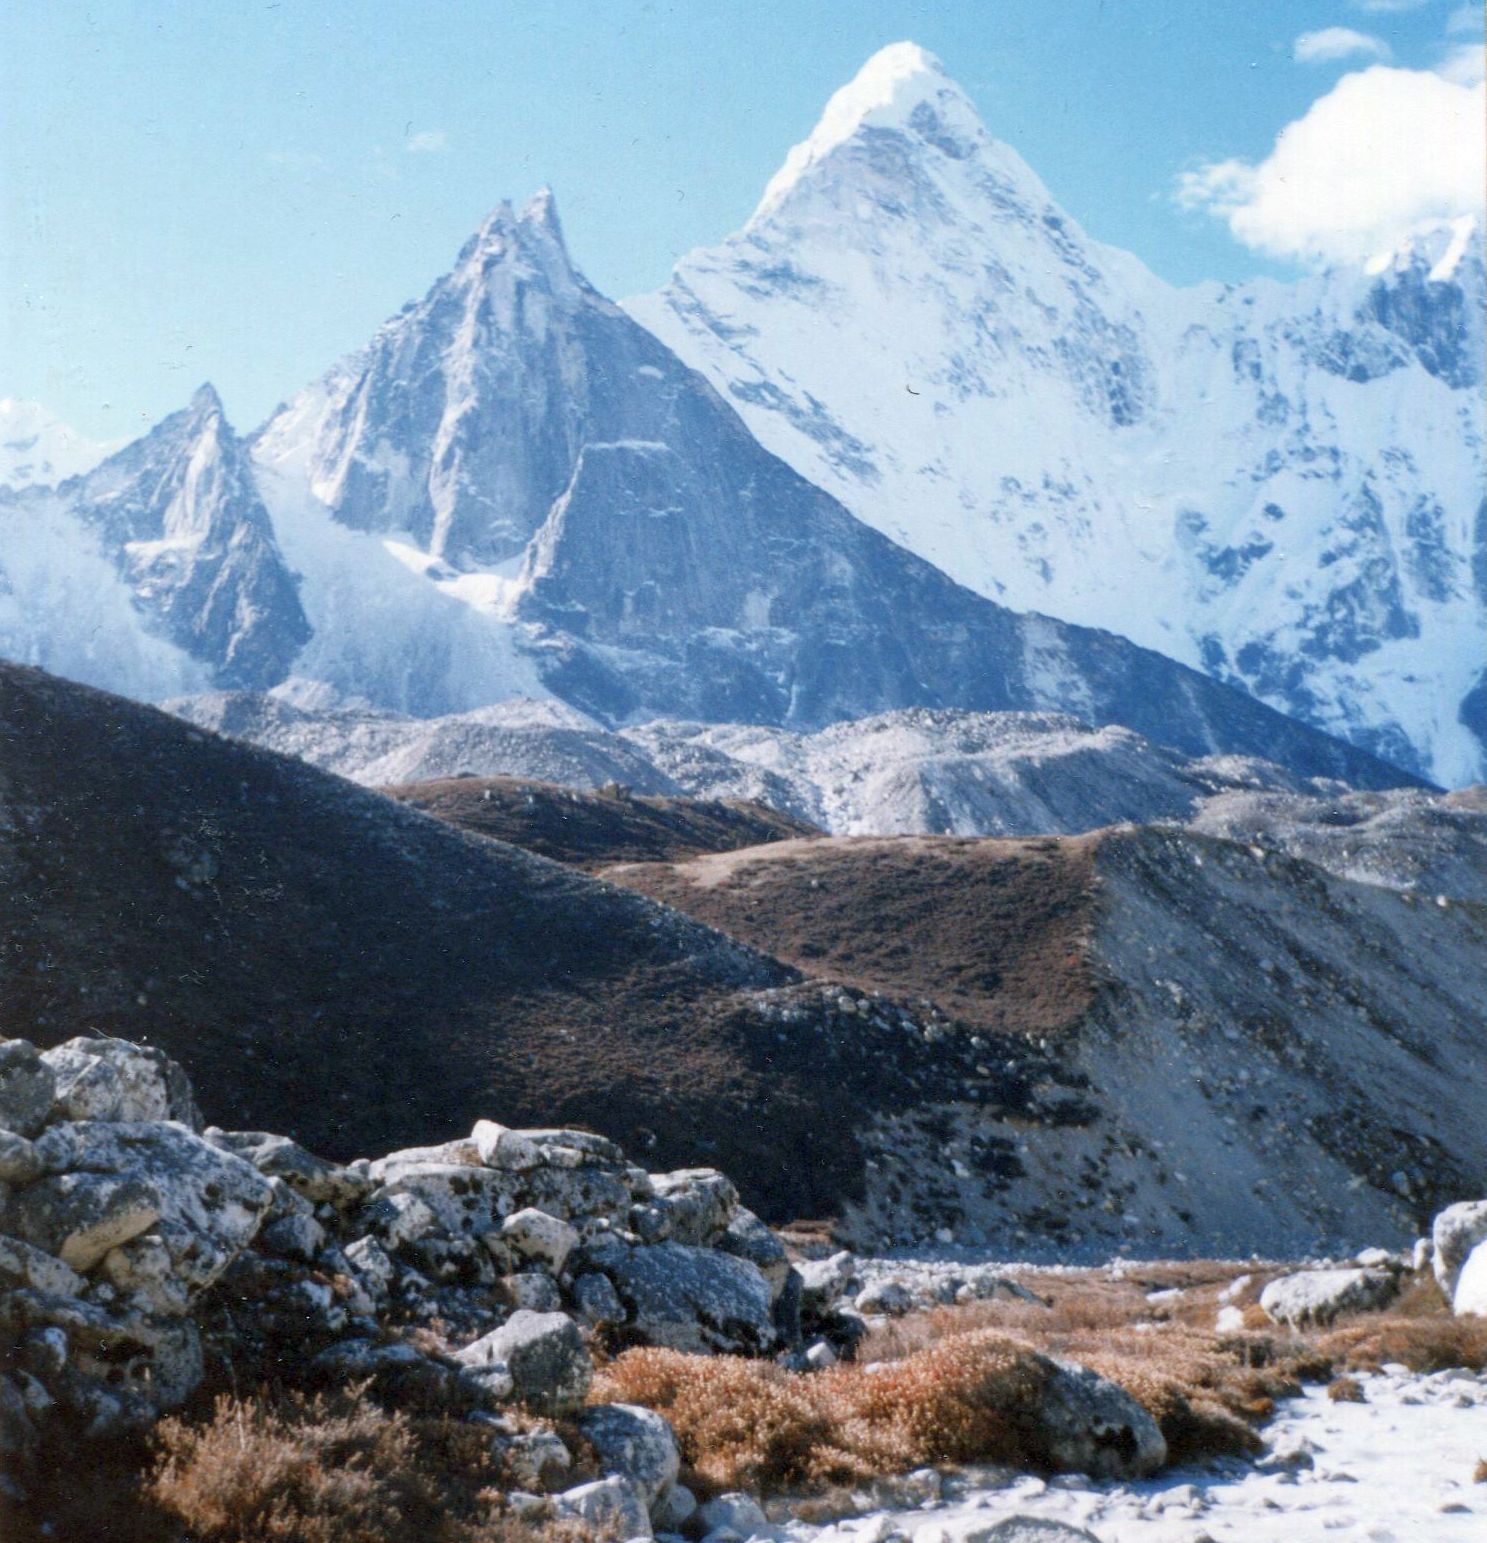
(1346, 1390)
(337, 1468)
(1479, 1473)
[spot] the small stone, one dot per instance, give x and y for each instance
(596, 1300)
(734, 1512)
(20, 1162)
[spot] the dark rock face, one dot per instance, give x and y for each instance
(180, 514)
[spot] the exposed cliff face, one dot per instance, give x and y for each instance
(180, 514)
(1288, 476)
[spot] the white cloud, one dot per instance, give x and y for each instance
(1465, 64)
(1337, 43)
(427, 142)
(1385, 154)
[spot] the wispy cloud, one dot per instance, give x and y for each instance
(427, 142)
(1384, 155)
(1337, 43)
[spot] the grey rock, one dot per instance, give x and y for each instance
(1028, 1529)
(637, 1443)
(27, 1087)
(210, 1202)
(144, 1269)
(692, 1299)
(24, 1266)
(536, 1236)
(79, 1217)
(674, 1509)
(735, 1512)
(611, 1506)
(116, 1079)
(1319, 1296)
(293, 1237)
(319, 1181)
(823, 1282)
(544, 1355)
(596, 1301)
(699, 1203)
(1088, 1424)
(746, 1237)
(20, 1162)
(1455, 1232)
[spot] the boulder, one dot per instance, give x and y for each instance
(1319, 1296)
(114, 1079)
(210, 1202)
(612, 1507)
(1087, 1424)
(79, 1217)
(675, 1509)
(698, 1203)
(144, 1270)
(1470, 1296)
(636, 1443)
(746, 1237)
(1455, 1233)
(318, 1180)
(691, 1299)
(533, 1235)
(543, 1354)
(531, 1289)
(27, 1087)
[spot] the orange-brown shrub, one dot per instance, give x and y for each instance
(286, 1468)
(1424, 1343)
(1346, 1390)
(751, 1423)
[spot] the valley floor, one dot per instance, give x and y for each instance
(1397, 1468)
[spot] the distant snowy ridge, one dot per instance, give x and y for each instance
(516, 490)
(1280, 484)
(37, 449)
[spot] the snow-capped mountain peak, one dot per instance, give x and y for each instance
(1289, 476)
(903, 89)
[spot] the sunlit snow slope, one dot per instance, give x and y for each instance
(1281, 484)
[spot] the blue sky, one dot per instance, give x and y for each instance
(242, 193)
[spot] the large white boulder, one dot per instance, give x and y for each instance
(1319, 1296)
(1470, 1295)
(114, 1079)
(1454, 1234)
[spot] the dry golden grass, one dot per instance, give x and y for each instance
(1479, 1473)
(752, 1424)
(1346, 1390)
(285, 1468)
